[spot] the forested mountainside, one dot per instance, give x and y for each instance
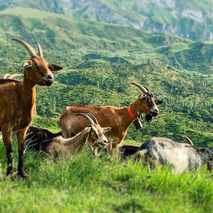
(99, 60)
(105, 41)
(190, 19)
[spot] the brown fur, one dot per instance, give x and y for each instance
(115, 117)
(93, 135)
(17, 106)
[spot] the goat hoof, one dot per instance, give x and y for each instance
(12, 175)
(23, 175)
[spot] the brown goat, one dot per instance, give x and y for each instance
(93, 134)
(119, 119)
(17, 105)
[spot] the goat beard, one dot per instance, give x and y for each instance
(148, 118)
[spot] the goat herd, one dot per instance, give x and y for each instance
(100, 127)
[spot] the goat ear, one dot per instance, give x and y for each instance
(142, 96)
(54, 67)
(87, 129)
(27, 64)
(106, 129)
(157, 102)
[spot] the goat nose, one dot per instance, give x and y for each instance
(154, 112)
(50, 77)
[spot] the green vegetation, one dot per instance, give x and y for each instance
(99, 60)
(86, 184)
(191, 19)
(82, 39)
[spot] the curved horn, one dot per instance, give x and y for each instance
(87, 117)
(187, 139)
(143, 89)
(6, 75)
(93, 118)
(40, 52)
(27, 46)
(13, 75)
(146, 88)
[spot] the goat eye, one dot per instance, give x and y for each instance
(95, 134)
(148, 99)
(37, 67)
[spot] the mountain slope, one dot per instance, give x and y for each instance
(190, 19)
(83, 39)
(99, 59)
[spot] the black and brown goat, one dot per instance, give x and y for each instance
(35, 136)
(118, 118)
(92, 135)
(127, 151)
(17, 105)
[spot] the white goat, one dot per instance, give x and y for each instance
(181, 157)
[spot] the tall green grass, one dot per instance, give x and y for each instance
(84, 183)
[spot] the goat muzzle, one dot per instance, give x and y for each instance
(154, 112)
(48, 80)
(102, 144)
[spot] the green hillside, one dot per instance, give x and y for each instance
(84, 39)
(99, 59)
(78, 33)
(191, 19)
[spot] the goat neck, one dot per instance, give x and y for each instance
(28, 96)
(135, 108)
(206, 155)
(77, 142)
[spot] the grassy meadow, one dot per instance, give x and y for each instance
(84, 183)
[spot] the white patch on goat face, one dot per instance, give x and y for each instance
(99, 138)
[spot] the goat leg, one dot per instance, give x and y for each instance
(21, 136)
(6, 135)
(9, 153)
